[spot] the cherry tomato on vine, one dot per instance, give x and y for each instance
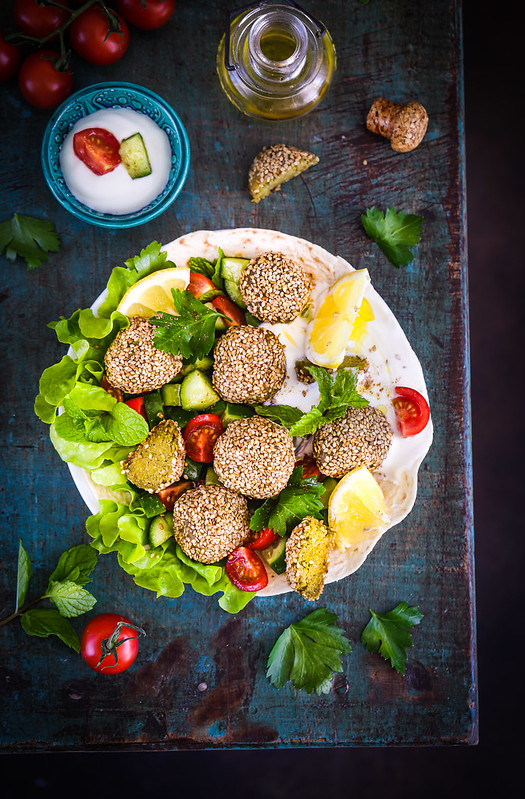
(146, 14)
(42, 81)
(200, 435)
(233, 314)
(265, 538)
(246, 570)
(39, 21)
(10, 58)
(109, 643)
(99, 38)
(412, 411)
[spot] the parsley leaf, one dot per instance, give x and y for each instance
(29, 238)
(387, 633)
(298, 499)
(394, 231)
(191, 333)
(308, 652)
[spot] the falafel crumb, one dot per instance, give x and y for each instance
(275, 165)
(307, 557)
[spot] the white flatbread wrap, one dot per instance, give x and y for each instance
(392, 362)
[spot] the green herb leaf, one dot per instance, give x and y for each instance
(75, 565)
(300, 498)
(387, 633)
(44, 622)
(191, 333)
(70, 598)
(285, 414)
(308, 652)
(394, 231)
(23, 576)
(29, 238)
(209, 269)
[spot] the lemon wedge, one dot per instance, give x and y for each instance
(152, 293)
(356, 508)
(341, 318)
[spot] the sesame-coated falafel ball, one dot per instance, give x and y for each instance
(274, 287)
(209, 522)
(249, 365)
(255, 457)
(359, 438)
(134, 364)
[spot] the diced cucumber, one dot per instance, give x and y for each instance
(154, 407)
(161, 529)
(201, 363)
(231, 271)
(275, 556)
(197, 392)
(234, 412)
(178, 415)
(170, 394)
(329, 485)
(211, 477)
(135, 156)
(220, 324)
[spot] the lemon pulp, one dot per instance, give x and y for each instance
(356, 508)
(152, 293)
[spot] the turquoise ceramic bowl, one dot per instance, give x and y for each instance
(115, 95)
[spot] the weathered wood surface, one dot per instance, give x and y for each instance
(50, 701)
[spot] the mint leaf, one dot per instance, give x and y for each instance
(387, 633)
(394, 231)
(308, 423)
(70, 598)
(75, 565)
(23, 576)
(308, 652)
(191, 333)
(285, 414)
(44, 622)
(300, 498)
(125, 426)
(29, 238)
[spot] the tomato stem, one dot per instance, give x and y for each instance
(73, 14)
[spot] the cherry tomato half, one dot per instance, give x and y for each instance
(96, 39)
(41, 83)
(265, 538)
(200, 285)
(200, 435)
(10, 57)
(146, 14)
(137, 403)
(169, 495)
(98, 149)
(109, 634)
(412, 411)
(39, 21)
(310, 468)
(246, 570)
(232, 312)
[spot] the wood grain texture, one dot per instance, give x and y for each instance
(50, 701)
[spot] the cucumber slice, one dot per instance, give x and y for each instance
(329, 485)
(197, 392)
(275, 556)
(154, 407)
(211, 477)
(201, 363)
(161, 529)
(231, 271)
(192, 469)
(170, 394)
(233, 413)
(135, 156)
(220, 324)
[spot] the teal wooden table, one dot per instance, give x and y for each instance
(50, 700)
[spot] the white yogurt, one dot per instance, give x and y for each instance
(116, 192)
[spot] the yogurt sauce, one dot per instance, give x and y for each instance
(116, 192)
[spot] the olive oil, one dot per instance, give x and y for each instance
(277, 45)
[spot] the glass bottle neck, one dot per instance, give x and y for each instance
(277, 46)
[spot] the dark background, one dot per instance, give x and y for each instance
(493, 51)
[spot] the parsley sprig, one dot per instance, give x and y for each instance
(394, 231)
(191, 333)
(29, 238)
(337, 394)
(387, 633)
(300, 498)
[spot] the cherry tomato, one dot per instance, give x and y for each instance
(137, 403)
(412, 411)
(200, 435)
(146, 14)
(265, 538)
(10, 58)
(233, 314)
(246, 570)
(41, 83)
(310, 468)
(98, 149)
(98, 40)
(39, 21)
(109, 643)
(200, 285)
(169, 495)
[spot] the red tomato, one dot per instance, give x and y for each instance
(200, 285)
(39, 21)
(169, 495)
(137, 403)
(246, 570)
(232, 312)
(200, 435)
(10, 58)
(41, 83)
(265, 538)
(412, 411)
(310, 468)
(146, 14)
(98, 149)
(97, 39)
(107, 645)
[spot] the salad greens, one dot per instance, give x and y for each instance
(28, 238)
(394, 232)
(191, 333)
(300, 498)
(387, 634)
